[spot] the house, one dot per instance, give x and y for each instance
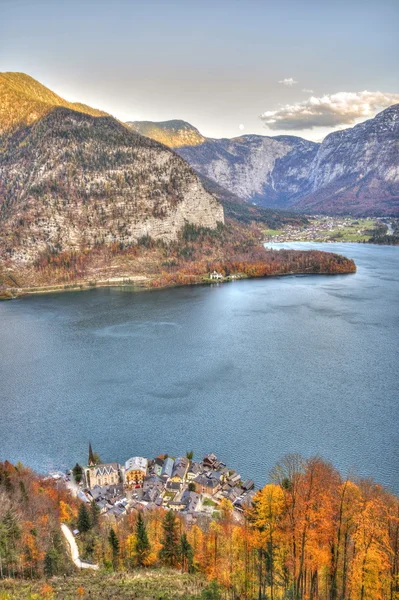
(218, 475)
(135, 470)
(194, 470)
(180, 467)
(234, 479)
(192, 501)
(210, 461)
(153, 481)
(103, 474)
(244, 501)
(248, 485)
(158, 464)
(206, 485)
(215, 275)
(152, 494)
(167, 468)
(173, 486)
(233, 493)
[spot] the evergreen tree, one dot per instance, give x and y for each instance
(186, 554)
(94, 513)
(77, 473)
(142, 545)
(169, 553)
(51, 562)
(211, 592)
(84, 522)
(114, 543)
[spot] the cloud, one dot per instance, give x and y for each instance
(307, 91)
(288, 81)
(331, 110)
(241, 126)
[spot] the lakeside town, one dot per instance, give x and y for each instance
(182, 484)
(322, 228)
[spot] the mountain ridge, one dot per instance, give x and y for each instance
(353, 171)
(172, 133)
(23, 100)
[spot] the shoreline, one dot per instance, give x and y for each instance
(139, 286)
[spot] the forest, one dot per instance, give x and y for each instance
(230, 249)
(309, 535)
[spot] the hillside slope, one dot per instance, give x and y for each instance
(72, 181)
(174, 133)
(23, 100)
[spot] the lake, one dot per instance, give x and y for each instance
(250, 370)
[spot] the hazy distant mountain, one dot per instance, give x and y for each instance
(171, 133)
(69, 180)
(354, 171)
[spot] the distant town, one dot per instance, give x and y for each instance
(323, 228)
(193, 488)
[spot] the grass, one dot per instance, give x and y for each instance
(160, 584)
(209, 502)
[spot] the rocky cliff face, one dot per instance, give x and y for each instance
(72, 181)
(355, 171)
(269, 171)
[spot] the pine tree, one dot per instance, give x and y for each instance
(51, 562)
(77, 473)
(84, 523)
(169, 553)
(142, 545)
(186, 554)
(114, 543)
(94, 513)
(212, 591)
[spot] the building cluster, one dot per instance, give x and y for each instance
(320, 229)
(191, 487)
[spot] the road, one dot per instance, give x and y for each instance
(75, 550)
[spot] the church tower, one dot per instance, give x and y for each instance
(92, 460)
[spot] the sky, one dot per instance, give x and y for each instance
(229, 67)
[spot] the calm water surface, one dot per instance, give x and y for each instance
(250, 370)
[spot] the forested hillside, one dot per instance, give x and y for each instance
(310, 535)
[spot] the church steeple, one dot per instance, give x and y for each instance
(92, 460)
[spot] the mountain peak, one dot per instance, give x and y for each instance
(24, 100)
(173, 133)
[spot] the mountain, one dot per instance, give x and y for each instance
(354, 171)
(85, 201)
(71, 181)
(23, 100)
(173, 133)
(357, 170)
(265, 170)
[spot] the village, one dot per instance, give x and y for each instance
(323, 228)
(193, 488)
